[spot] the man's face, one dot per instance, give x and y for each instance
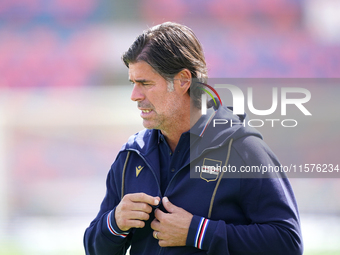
(159, 107)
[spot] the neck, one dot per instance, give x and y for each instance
(172, 136)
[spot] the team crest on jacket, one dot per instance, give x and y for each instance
(210, 169)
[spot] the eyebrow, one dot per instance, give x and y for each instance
(140, 81)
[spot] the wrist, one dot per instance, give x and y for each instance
(200, 233)
(113, 227)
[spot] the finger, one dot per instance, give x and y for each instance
(127, 219)
(134, 224)
(139, 206)
(159, 214)
(127, 205)
(155, 225)
(138, 215)
(171, 208)
(162, 243)
(144, 198)
(156, 235)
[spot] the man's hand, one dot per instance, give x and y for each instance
(133, 210)
(171, 228)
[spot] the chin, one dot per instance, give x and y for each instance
(148, 125)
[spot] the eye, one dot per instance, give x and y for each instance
(138, 83)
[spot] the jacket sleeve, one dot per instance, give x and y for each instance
(103, 235)
(269, 206)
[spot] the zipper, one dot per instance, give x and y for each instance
(158, 184)
(153, 172)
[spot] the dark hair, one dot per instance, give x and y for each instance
(169, 48)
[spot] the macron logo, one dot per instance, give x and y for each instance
(138, 170)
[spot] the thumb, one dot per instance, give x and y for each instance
(171, 208)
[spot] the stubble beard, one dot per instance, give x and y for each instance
(160, 122)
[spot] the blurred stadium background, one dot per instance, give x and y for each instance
(65, 108)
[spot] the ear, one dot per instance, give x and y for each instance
(183, 79)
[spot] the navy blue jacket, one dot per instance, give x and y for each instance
(235, 213)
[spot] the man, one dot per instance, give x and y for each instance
(152, 204)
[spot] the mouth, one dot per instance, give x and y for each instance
(146, 109)
(145, 113)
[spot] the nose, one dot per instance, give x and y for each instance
(136, 94)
